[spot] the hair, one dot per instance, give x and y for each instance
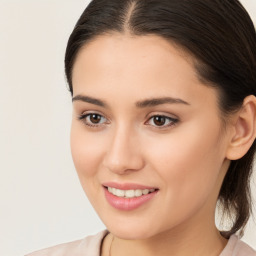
(220, 37)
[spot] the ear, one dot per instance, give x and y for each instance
(243, 129)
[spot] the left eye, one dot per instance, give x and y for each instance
(162, 121)
(93, 119)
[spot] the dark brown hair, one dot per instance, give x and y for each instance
(221, 38)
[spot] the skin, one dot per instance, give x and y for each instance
(186, 160)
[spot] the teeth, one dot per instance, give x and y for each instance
(145, 191)
(138, 192)
(130, 193)
(119, 192)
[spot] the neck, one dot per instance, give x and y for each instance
(197, 237)
(169, 244)
(199, 243)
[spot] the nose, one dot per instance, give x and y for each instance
(124, 154)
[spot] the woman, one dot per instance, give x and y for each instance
(163, 127)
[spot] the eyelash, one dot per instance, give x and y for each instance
(83, 118)
(172, 121)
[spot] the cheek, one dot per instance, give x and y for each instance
(188, 162)
(86, 151)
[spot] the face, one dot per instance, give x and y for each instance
(146, 136)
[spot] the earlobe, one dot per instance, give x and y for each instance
(244, 128)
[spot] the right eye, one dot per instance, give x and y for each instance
(93, 119)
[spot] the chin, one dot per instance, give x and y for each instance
(131, 232)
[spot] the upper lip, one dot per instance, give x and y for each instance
(126, 186)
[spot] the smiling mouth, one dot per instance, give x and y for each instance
(131, 193)
(127, 197)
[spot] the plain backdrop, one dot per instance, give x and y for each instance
(41, 200)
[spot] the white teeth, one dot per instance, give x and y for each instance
(130, 193)
(145, 191)
(138, 192)
(120, 193)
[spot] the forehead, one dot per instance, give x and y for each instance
(139, 46)
(118, 51)
(130, 54)
(139, 66)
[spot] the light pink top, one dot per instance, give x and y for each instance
(90, 246)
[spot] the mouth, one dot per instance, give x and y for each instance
(128, 197)
(131, 193)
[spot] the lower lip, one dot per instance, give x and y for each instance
(128, 204)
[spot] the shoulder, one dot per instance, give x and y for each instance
(89, 246)
(236, 247)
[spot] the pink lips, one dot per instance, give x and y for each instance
(127, 204)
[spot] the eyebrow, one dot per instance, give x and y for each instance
(91, 100)
(140, 104)
(159, 101)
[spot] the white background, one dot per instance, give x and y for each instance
(41, 201)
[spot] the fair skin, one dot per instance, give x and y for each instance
(185, 156)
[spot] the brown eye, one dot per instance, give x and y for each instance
(159, 120)
(95, 118)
